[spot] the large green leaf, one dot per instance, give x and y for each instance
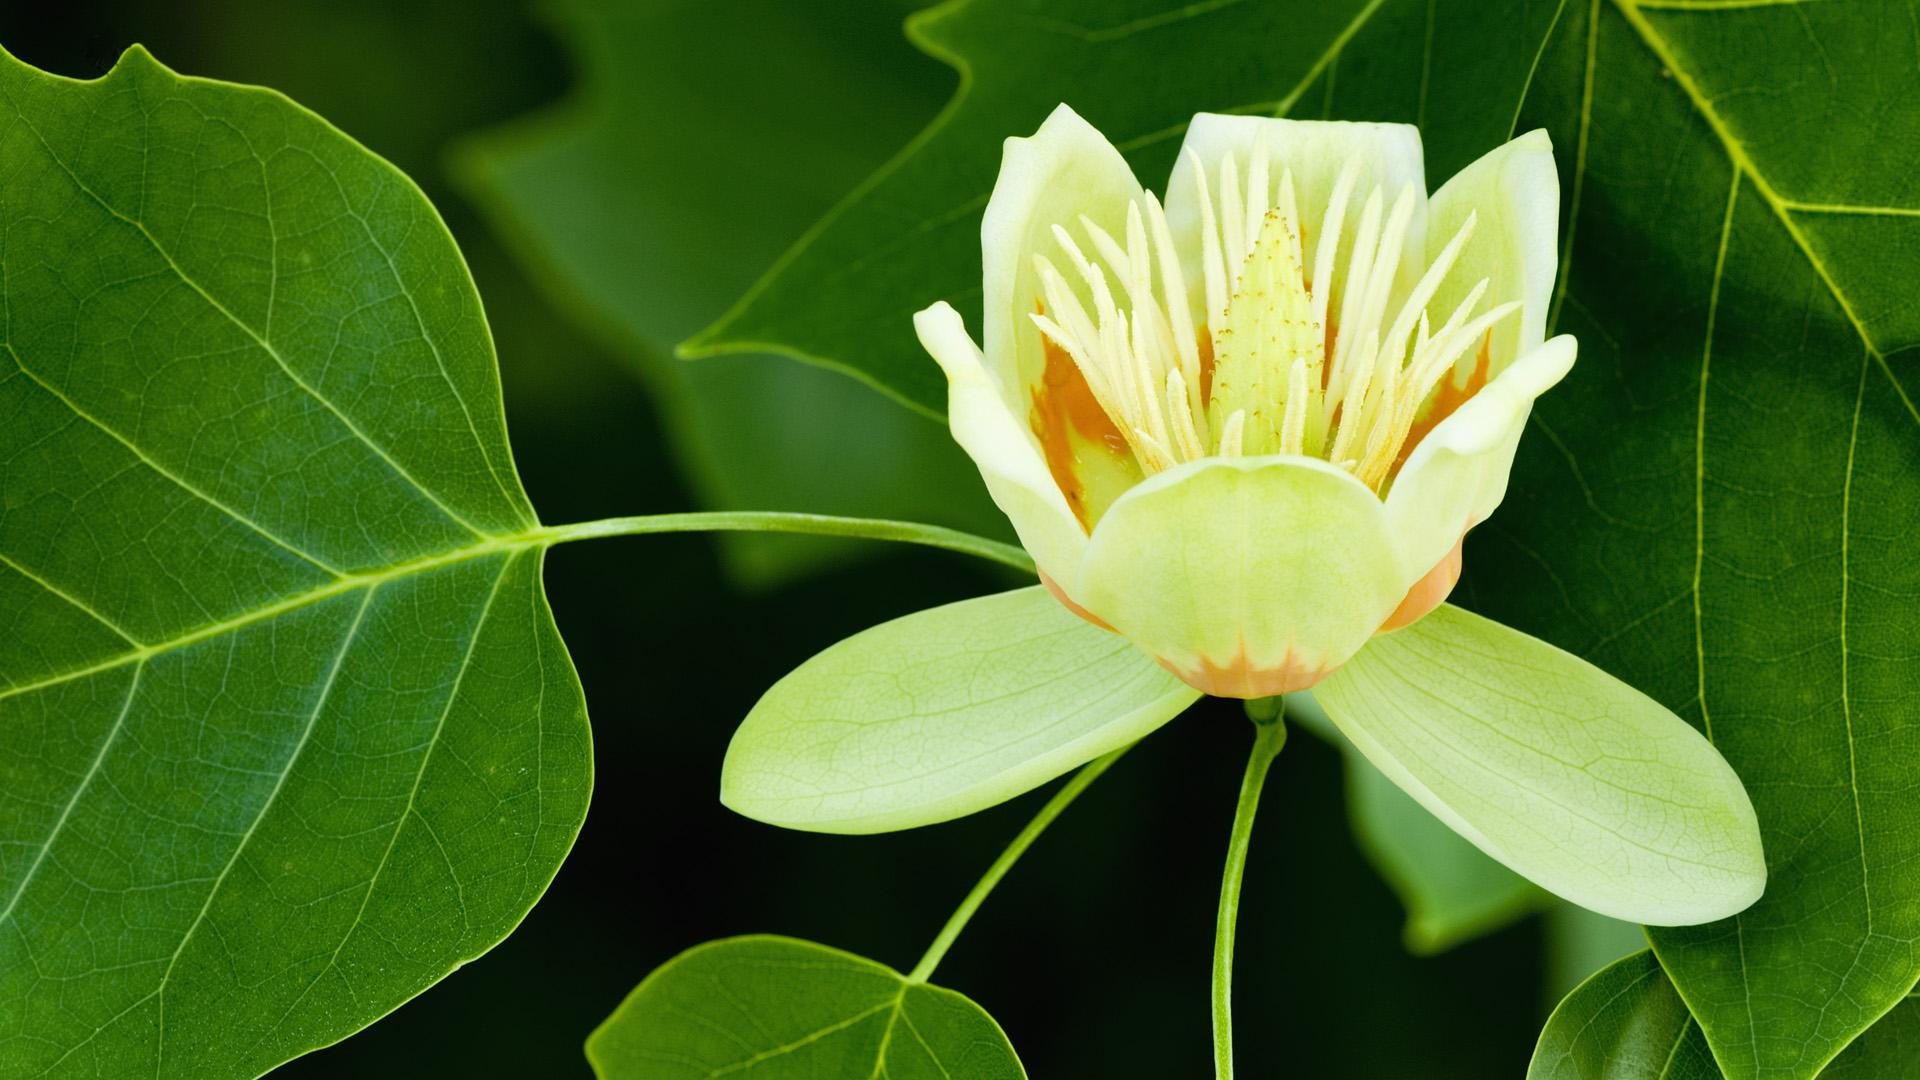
(1137, 70)
(1713, 506)
(1717, 503)
(288, 731)
(704, 137)
(1624, 1023)
(785, 1009)
(1628, 1023)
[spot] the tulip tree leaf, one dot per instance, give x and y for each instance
(782, 1009)
(1713, 507)
(1717, 504)
(289, 732)
(910, 235)
(650, 199)
(1628, 1023)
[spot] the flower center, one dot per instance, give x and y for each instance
(1267, 373)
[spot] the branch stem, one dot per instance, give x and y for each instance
(1269, 735)
(1061, 800)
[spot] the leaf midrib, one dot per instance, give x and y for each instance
(1745, 167)
(491, 545)
(267, 346)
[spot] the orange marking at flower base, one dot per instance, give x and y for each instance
(1067, 602)
(1239, 678)
(1063, 404)
(1429, 592)
(1445, 400)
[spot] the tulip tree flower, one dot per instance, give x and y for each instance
(1243, 433)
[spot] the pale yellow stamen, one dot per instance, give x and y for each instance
(1275, 388)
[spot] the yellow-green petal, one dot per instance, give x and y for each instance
(942, 713)
(1006, 452)
(1062, 171)
(1387, 156)
(1513, 191)
(1457, 475)
(1244, 574)
(1574, 779)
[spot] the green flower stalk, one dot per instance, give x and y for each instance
(1244, 433)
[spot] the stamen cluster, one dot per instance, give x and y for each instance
(1276, 368)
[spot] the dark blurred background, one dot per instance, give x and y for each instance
(1094, 953)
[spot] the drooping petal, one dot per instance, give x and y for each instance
(1383, 156)
(1514, 193)
(1457, 474)
(942, 713)
(1064, 171)
(1006, 451)
(1569, 776)
(1246, 576)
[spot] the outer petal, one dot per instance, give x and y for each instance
(1516, 192)
(1004, 449)
(1062, 171)
(1386, 155)
(1457, 474)
(1246, 576)
(1550, 765)
(942, 713)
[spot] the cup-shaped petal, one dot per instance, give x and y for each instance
(1383, 156)
(1064, 175)
(1457, 474)
(1550, 765)
(1006, 452)
(1246, 576)
(1513, 194)
(942, 713)
(1053, 177)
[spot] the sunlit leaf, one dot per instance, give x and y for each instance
(782, 1009)
(1628, 1023)
(1625, 1023)
(910, 235)
(288, 731)
(704, 137)
(941, 713)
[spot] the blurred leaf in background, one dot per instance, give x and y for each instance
(702, 140)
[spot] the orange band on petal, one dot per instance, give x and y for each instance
(1240, 678)
(1067, 602)
(1429, 592)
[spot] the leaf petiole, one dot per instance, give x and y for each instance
(1061, 799)
(1269, 735)
(781, 522)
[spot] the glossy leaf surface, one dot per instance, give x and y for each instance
(1628, 1023)
(782, 1009)
(289, 733)
(649, 200)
